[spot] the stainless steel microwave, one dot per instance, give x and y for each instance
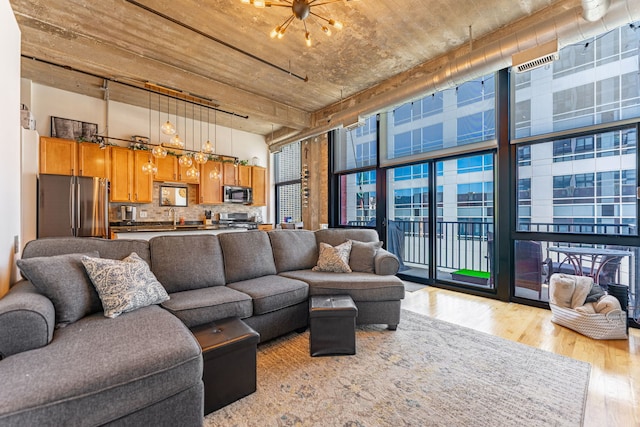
(237, 195)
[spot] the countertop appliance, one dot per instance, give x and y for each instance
(128, 213)
(237, 194)
(72, 206)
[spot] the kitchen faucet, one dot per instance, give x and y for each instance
(172, 211)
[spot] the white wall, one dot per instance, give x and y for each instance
(127, 120)
(10, 145)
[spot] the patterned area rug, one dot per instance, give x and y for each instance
(427, 373)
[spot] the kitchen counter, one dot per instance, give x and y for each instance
(147, 230)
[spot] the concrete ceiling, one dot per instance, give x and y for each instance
(221, 49)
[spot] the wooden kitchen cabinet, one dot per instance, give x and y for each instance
(244, 176)
(58, 156)
(67, 157)
(128, 182)
(236, 174)
(142, 183)
(229, 174)
(93, 160)
(210, 187)
(259, 185)
(182, 174)
(167, 169)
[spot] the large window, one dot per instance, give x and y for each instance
(288, 184)
(356, 157)
(593, 82)
(449, 118)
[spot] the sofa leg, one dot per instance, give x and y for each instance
(392, 327)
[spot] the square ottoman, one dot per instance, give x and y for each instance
(229, 354)
(332, 325)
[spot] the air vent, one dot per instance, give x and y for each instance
(535, 57)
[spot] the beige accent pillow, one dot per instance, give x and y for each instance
(334, 259)
(362, 256)
(561, 287)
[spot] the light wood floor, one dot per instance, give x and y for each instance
(614, 386)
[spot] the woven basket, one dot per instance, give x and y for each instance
(610, 326)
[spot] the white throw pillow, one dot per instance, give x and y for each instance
(124, 285)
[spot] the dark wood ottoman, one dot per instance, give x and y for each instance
(332, 325)
(229, 355)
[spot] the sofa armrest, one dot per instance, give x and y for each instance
(27, 320)
(386, 263)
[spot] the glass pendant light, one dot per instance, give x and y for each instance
(159, 152)
(201, 157)
(193, 172)
(168, 128)
(149, 168)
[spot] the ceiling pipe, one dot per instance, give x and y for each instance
(568, 28)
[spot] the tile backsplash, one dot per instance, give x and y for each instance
(192, 212)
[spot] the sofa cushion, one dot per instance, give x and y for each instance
(96, 370)
(125, 285)
(335, 236)
(363, 256)
(293, 249)
(271, 293)
(247, 255)
(360, 286)
(177, 272)
(200, 306)
(334, 259)
(112, 249)
(63, 279)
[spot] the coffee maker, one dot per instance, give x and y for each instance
(128, 213)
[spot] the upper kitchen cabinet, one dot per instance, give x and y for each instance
(259, 185)
(210, 183)
(68, 157)
(93, 160)
(128, 182)
(167, 169)
(58, 156)
(238, 175)
(182, 175)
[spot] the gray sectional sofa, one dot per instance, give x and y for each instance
(144, 367)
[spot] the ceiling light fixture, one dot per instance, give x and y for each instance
(300, 9)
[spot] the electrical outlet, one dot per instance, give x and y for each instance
(143, 214)
(16, 244)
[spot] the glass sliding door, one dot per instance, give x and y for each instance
(464, 224)
(408, 218)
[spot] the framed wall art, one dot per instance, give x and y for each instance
(72, 129)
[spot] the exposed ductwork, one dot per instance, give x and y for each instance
(568, 27)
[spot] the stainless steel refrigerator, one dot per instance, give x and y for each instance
(72, 206)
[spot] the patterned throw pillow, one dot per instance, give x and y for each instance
(124, 285)
(334, 259)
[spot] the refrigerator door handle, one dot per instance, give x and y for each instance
(72, 219)
(79, 210)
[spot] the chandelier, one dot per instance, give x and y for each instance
(300, 9)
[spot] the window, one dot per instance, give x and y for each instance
(358, 199)
(593, 82)
(356, 148)
(590, 183)
(288, 183)
(449, 118)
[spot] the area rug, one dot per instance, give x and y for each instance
(427, 373)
